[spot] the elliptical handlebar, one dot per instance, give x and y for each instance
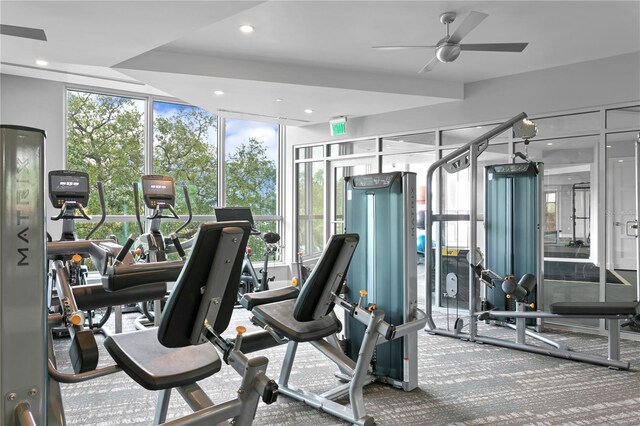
(187, 202)
(136, 202)
(103, 209)
(73, 206)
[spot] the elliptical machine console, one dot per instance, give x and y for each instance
(159, 193)
(68, 187)
(69, 192)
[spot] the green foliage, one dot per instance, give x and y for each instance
(105, 137)
(181, 150)
(251, 178)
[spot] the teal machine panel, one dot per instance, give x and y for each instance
(23, 332)
(381, 208)
(512, 225)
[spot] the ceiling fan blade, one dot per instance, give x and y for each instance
(430, 65)
(402, 47)
(25, 32)
(470, 22)
(494, 47)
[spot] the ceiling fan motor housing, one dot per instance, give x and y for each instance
(447, 52)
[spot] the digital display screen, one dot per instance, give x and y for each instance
(69, 184)
(158, 187)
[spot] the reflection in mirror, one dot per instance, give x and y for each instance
(571, 270)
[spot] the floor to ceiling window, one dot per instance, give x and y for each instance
(111, 137)
(106, 139)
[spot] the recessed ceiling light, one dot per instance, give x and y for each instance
(549, 143)
(608, 146)
(246, 28)
(279, 99)
(620, 161)
(308, 111)
(569, 178)
(218, 92)
(478, 127)
(401, 141)
(42, 62)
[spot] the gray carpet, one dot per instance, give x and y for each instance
(461, 383)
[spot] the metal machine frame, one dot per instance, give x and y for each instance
(381, 208)
(461, 158)
(22, 277)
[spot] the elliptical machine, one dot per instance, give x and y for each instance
(249, 281)
(69, 192)
(158, 193)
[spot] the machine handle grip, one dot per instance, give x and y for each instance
(270, 392)
(103, 210)
(176, 243)
(187, 202)
(136, 202)
(125, 248)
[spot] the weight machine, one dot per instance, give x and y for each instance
(515, 248)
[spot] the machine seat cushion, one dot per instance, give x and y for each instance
(251, 300)
(595, 308)
(157, 367)
(279, 316)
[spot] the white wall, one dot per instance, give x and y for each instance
(594, 83)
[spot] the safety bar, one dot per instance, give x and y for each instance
(61, 377)
(429, 196)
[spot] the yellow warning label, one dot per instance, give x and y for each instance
(450, 252)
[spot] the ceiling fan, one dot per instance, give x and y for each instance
(24, 32)
(448, 48)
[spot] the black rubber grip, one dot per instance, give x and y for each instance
(176, 243)
(270, 394)
(123, 251)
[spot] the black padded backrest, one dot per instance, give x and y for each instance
(314, 300)
(207, 286)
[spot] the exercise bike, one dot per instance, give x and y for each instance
(69, 192)
(250, 282)
(158, 194)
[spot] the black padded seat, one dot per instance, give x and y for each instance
(157, 367)
(596, 309)
(279, 316)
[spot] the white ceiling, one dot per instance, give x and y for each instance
(312, 54)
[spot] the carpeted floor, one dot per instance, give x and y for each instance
(460, 383)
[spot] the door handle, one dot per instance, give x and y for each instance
(632, 225)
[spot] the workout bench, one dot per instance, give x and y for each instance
(311, 318)
(199, 310)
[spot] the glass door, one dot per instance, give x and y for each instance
(338, 170)
(623, 194)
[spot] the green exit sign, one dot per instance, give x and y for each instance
(338, 126)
